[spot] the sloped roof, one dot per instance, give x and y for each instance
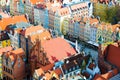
(113, 54)
(44, 69)
(11, 20)
(36, 1)
(106, 76)
(18, 51)
(99, 77)
(63, 11)
(45, 35)
(48, 67)
(58, 71)
(57, 49)
(4, 15)
(9, 48)
(32, 29)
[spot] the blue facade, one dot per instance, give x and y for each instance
(41, 17)
(21, 7)
(46, 19)
(76, 29)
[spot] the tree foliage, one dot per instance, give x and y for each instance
(107, 13)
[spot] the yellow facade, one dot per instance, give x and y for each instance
(0, 67)
(65, 26)
(4, 43)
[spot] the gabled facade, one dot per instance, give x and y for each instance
(64, 69)
(2, 51)
(41, 15)
(13, 7)
(51, 15)
(93, 33)
(29, 35)
(14, 65)
(65, 26)
(14, 33)
(60, 14)
(29, 8)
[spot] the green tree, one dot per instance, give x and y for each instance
(100, 10)
(111, 12)
(118, 13)
(107, 13)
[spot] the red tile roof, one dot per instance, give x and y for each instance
(45, 35)
(107, 75)
(36, 1)
(11, 20)
(110, 74)
(19, 51)
(48, 67)
(113, 55)
(99, 77)
(57, 49)
(31, 29)
(9, 48)
(58, 71)
(63, 11)
(44, 69)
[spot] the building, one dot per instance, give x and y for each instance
(82, 9)
(108, 65)
(3, 15)
(5, 22)
(111, 75)
(2, 51)
(13, 7)
(67, 69)
(21, 6)
(4, 39)
(29, 8)
(14, 65)
(60, 14)
(41, 15)
(66, 26)
(29, 35)
(49, 52)
(51, 15)
(4, 4)
(14, 33)
(93, 29)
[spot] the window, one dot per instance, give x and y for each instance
(10, 71)
(18, 64)
(66, 71)
(66, 76)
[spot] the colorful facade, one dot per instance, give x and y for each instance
(2, 50)
(64, 69)
(14, 33)
(4, 40)
(21, 6)
(41, 15)
(14, 65)
(65, 26)
(29, 8)
(60, 14)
